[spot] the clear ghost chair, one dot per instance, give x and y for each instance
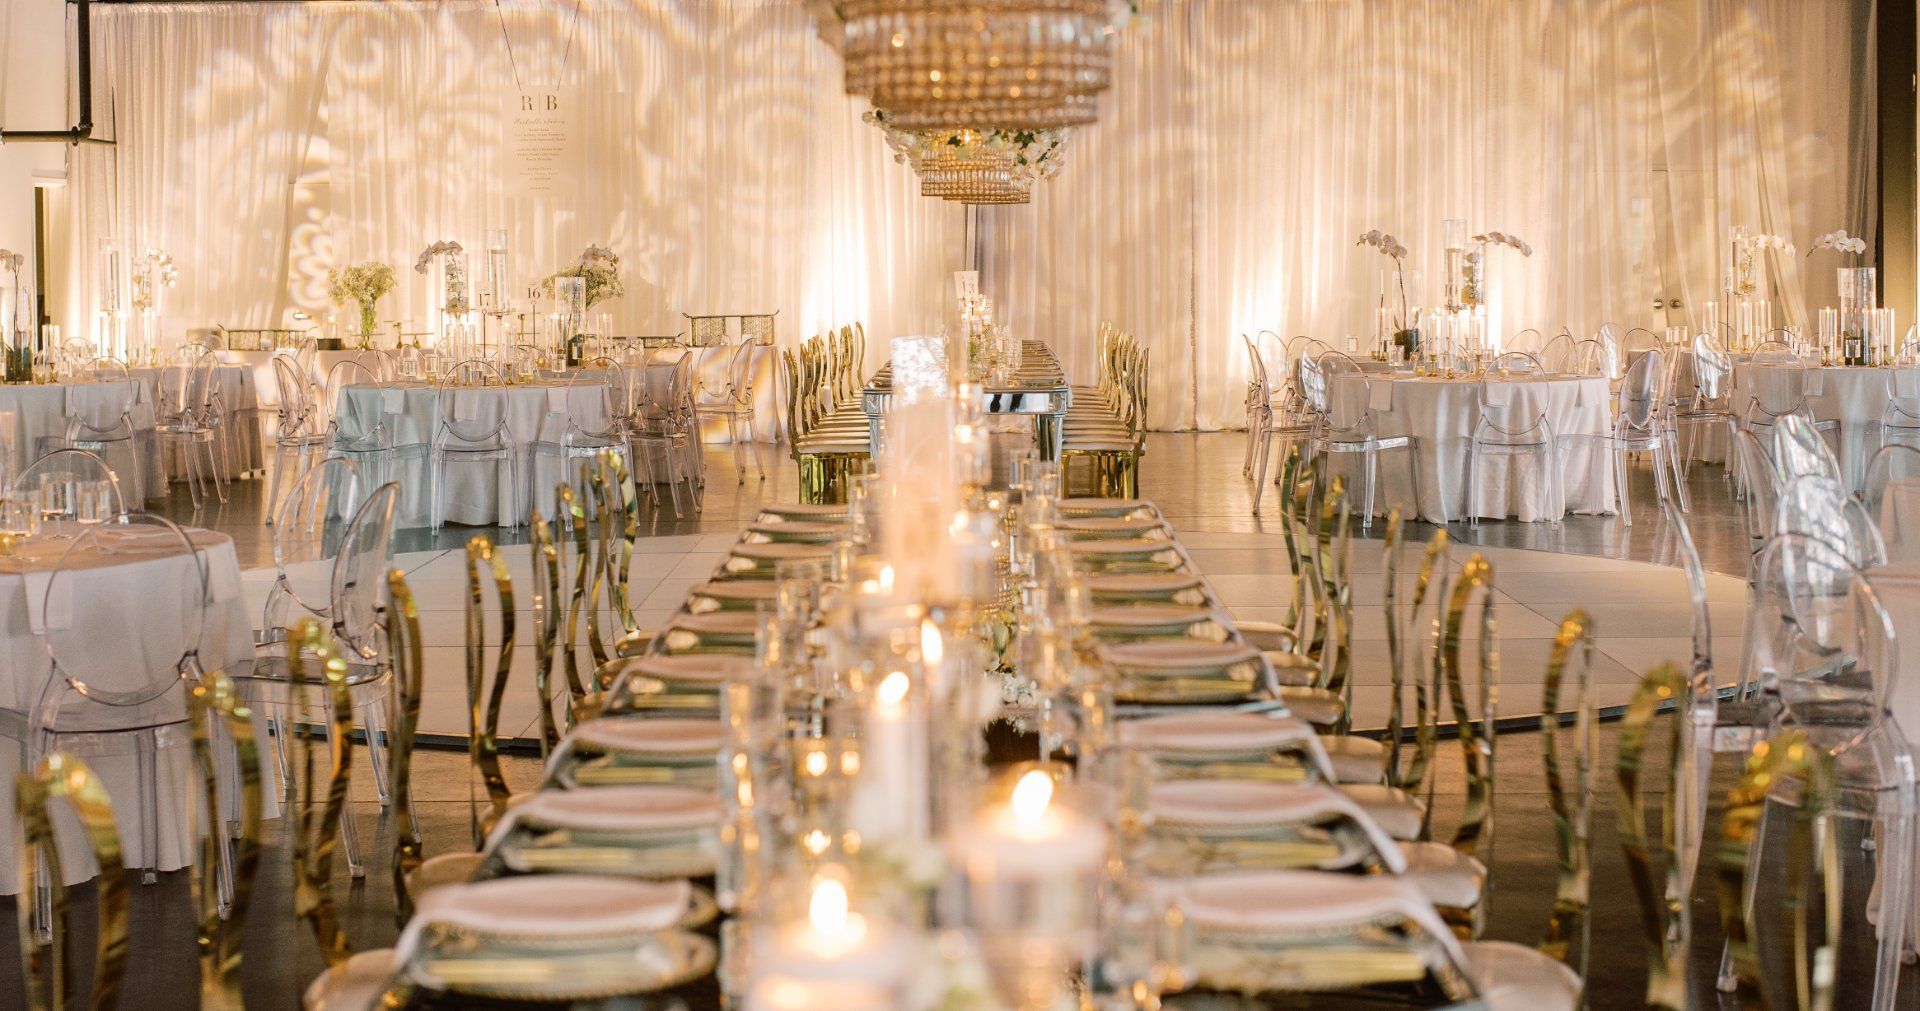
(190, 412)
(1781, 391)
(382, 365)
(106, 700)
(662, 429)
(301, 432)
(1763, 488)
(77, 465)
(1349, 427)
(369, 446)
(1796, 449)
(1640, 425)
(474, 440)
(1588, 358)
(1890, 493)
(1908, 353)
(1818, 506)
(735, 402)
(1558, 354)
(355, 578)
(100, 420)
(1291, 419)
(594, 420)
(1711, 403)
(1511, 430)
(1612, 360)
(1825, 648)
(1900, 419)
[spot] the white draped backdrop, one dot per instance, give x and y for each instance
(1243, 147)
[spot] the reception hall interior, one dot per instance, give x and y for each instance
(959, 505)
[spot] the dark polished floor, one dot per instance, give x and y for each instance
(1196, 480)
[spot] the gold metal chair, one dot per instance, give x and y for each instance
(61, 777)
(825, 456)
(230, 852)
(1654, 861)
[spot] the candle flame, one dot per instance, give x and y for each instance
(1031, 796)
(932, 647)
(886, 578)
(893, 689)
(827, 912)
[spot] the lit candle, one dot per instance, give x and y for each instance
(835, 961)
(890, 804)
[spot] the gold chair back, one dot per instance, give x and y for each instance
(486, 690)
(319, 805)
(1653, 861)
(1570, 797)
(1473, 713)
(62, 777)
(224, 876)
(409, 677)
(1405, 651)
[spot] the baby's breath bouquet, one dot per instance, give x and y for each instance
(600, 268)
(362, 283)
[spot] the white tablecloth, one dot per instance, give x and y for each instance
(474, 490)
(1440, 414)
(124, 597)
(1855, 397)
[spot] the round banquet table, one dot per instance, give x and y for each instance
(113, 591)
(1854, 396)
(1441, 413)
(537, 411)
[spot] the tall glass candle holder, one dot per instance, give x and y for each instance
(1859, 296)
(1453, 239)
(497, 294)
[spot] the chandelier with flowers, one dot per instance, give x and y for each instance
(975, 166)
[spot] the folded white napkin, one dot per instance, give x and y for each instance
(393, 401)
(45, 613)
(1380, 396)
(1497, 394)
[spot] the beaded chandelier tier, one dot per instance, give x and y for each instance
(974, 166)
(979, 64)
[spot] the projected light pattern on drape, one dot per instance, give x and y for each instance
(721, 159)
(1243, 145)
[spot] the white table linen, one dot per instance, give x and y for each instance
(1440, 414)
(474, 493)
(110, 608)
(1855, 397)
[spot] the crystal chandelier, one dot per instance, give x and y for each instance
(975, 166)
(981, 64)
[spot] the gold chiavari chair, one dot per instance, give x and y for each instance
(1813, 853)
(351, 980)
(1454, 874)
(1111, 444)
(589, 582)
(59, 777)
(824, 455)
(1549, 976)
(548, 617)
(409, 679)
(229, 858)
(1374, 772)
(1654, 861)
(486, 690)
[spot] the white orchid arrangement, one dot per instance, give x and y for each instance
(455, 270)
(1749, 247)
(1473, 268)
(599, 266)
(10, 260)
(1840, 242)
(1393, 250)
(152, 267)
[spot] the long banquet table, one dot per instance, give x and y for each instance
(1039, 390)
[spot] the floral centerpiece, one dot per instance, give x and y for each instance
(362, 283)
(1746, 249)
(1840, 242)
(1473, 271)
(599, 267)
(1406, 330)
(151, 270)
(455, 273)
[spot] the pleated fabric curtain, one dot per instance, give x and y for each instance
(1242, 148)
(1246, 145)
(722, 160)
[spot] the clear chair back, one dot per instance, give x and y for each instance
(1890, 492)
(1712, 369)
(1823, 638)
(136, 666)
(595, 402)
(1797, 450)
(1819, 507)
(308, 530)
(75, 468)
(378, 363)
(359, 572)
(490, 414)
(1641, 394)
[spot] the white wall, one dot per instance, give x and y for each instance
(34, 57)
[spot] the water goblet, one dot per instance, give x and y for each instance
(92, 501)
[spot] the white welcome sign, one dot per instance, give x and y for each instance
(544, 152)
